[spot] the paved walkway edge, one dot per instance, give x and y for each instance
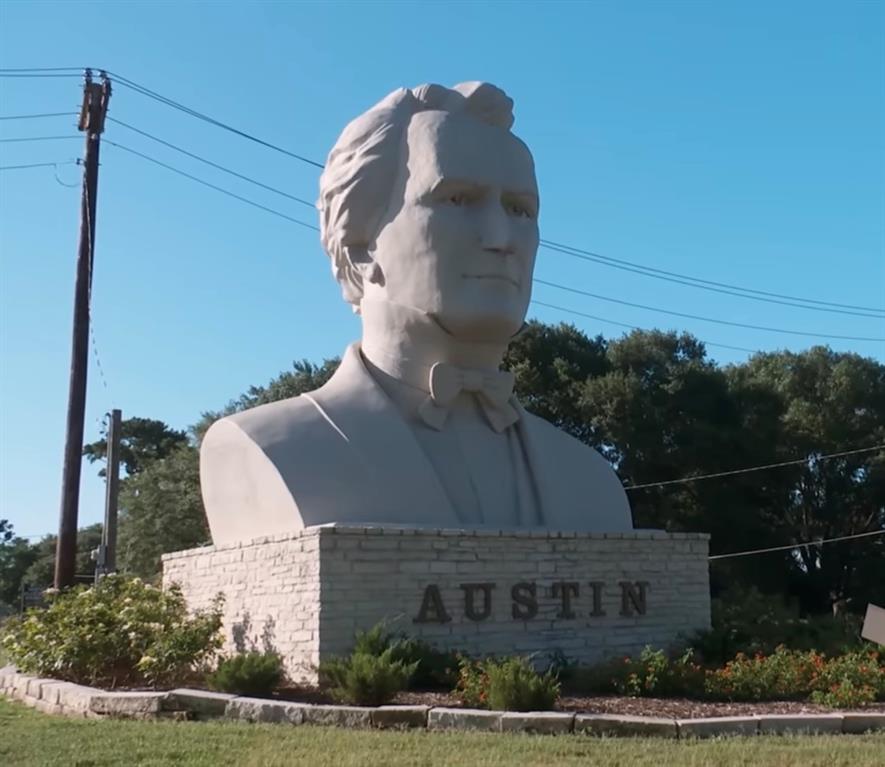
(64, 698)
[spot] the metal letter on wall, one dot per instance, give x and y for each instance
(470, 590)
(525, 601)
(432, 608)
(633, 598)
(565, 590)
(597, 587)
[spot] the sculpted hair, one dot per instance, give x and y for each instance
(357, 183)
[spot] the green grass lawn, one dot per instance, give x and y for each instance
(30, 738)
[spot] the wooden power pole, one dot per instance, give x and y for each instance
(107, 553)
(92, 118)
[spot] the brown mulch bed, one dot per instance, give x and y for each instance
(672, 708)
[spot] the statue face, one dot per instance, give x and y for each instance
(461, 233)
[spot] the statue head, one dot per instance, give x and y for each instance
(429, 201)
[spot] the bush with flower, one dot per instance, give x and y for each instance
(850, 679)
(121, 632)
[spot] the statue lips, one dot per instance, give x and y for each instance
(493, 276)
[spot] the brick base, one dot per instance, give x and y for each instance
(585, 596)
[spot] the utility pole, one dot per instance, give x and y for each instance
(107, 552)
(92, 118)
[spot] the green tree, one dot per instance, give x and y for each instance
(551, 365)
(830, 402)
(161, 511)
(16, 556)
(142, 440)
(41, 572)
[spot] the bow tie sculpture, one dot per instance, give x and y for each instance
(493, 390)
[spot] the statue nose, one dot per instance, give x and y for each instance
(496, 233)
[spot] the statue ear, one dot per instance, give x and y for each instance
(363, 263)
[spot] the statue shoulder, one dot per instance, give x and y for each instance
(269, 424)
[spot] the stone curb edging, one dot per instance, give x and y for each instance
(65, 698)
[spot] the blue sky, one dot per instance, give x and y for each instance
(737, 142)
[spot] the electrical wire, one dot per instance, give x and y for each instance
(18, 139)
(37, 165)
(818, 542)
(569, 250)
(705, 319)
(32, 75)
(38, 116)
(632, 327)
(537, 280)
(720, 287)
(211, 120)
(596, 257)
(212, 186)
(604, 261)
(765, 467)
(213, 164)
(7, 70)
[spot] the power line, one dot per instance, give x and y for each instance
(591, 256)
(540, 281)
(632, 327)
(35, 138)
(605, 261)
(705, 319)
(31, 75)
(37, 165)
(7, 70)
(38, 116)
(673, 276)
(720, 287)
(212, 186)
(213, 164)
(796, 462)
(818, 542)
(211, 120)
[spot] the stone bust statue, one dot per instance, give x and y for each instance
(429, 213)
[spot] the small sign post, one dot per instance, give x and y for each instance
(874, 625)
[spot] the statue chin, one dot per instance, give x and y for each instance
(480, 326)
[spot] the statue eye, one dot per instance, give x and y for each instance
(458, 198)
(520, 211)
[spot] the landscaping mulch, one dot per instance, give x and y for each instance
(671, 708)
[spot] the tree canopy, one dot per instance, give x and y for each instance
(659, 409)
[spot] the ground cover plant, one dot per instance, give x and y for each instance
(121, 632)
(30, 739)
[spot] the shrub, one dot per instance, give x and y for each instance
(435, 669)
(252, 673)
(783, 675)
(652, 673)
(119, 632)
(850, 680)
(366, 679)
(747, 621)
(511, 684)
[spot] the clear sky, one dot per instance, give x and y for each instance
(741, 142)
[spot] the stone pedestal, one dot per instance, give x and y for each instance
(587, 596)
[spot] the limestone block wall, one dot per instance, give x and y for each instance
(587, 596)
(271, 588)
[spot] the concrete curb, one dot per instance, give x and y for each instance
(51, 696)
(711, 727)
(620, 725)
